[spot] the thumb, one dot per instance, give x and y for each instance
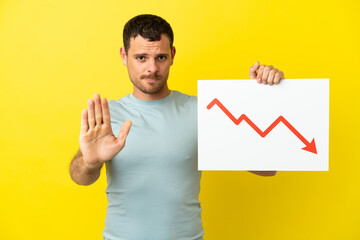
(252, 70)
(124, 131)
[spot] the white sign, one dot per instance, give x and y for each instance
(244, 125)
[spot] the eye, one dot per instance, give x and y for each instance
(141, 58)
(162, 58)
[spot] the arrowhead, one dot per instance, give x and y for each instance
(311, 147)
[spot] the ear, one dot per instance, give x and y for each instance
(173, 51)
(123, 56)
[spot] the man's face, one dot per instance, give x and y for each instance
(148, 64)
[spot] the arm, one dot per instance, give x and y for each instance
(83, 173)
(97, 142)
(264, 173)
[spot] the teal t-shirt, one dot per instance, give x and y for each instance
(153, 183)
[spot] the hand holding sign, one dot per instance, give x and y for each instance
(266, 74)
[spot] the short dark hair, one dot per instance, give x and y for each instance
(147, 26)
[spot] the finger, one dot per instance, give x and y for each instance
(271, 76)
(265, 74)
(252, 70)
(260, 73)
(105, 111)
(277, 77)
(98, 112)
(84, 122)
(282, 75)
(91, 113)
(124, 131)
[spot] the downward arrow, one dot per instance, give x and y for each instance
(311, 147)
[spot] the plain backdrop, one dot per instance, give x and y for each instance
(54, 55)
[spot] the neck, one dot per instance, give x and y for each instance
(164, 92)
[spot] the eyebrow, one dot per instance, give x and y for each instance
(145, 54)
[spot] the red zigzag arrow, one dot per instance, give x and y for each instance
(309, 146)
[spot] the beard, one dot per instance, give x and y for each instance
(150, 87)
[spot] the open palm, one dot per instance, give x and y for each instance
(97, 141)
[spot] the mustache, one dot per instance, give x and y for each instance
(153, 76)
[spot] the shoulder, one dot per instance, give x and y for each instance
(185, 98)
(114, 104)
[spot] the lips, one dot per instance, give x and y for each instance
(151, 79)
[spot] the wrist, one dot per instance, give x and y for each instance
(92, 166)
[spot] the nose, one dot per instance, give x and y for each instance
(152, 66)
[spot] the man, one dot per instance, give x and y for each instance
(153, 182)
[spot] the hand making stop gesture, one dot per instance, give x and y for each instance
(98, 144)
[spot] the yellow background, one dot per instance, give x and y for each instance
(54, 55)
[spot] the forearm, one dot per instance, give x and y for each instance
(83, 174)
(264, 173)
